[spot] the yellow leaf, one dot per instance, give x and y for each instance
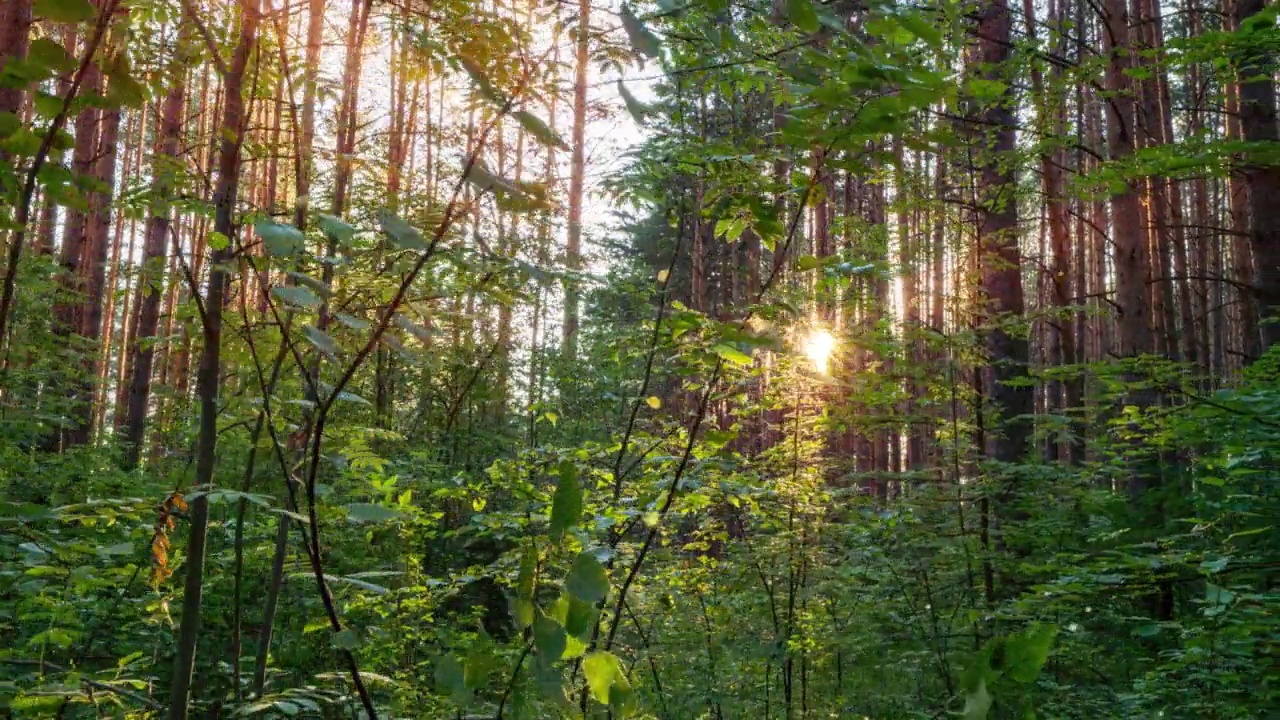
(654, 402)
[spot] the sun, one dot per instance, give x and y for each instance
(819, 343)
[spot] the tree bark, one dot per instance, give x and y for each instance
(224, 199)
(1127, 237)
(1000, 259)
(151, 280)
(1258, 124)
(577, 172)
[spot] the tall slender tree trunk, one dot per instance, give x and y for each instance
(1258, 123)
(151, 278)
(577, 173)
(1127, 237)
(224, 200)
(15, 32)
(1000, 259)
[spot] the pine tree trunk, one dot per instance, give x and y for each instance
(224, 200)
(1258, 123)
(151, 278)
(1128, 239)
(577, 173)
(1000, 259)
(15, 32)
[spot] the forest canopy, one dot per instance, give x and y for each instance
(682, 360)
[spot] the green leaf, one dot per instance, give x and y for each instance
(548, 637)
(642, 40)
(279, 239)
(602, 669)
(921, 28)
(63, 11)
(451, 679)
(1026, 652)
(637, 109)
(346, 639)
(523, 610)
(540, 130)
(587, 579)
(297, 296)
(303, 279)
(368, 512)
(977, 702)
(579, 618)
(321, 340)
(481, 80)
(402, 234)
(731, 354)
(566, 505)
(351, 321)
(802, 14)
(49, 54)
(335, 229)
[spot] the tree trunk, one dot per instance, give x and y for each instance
(1258, 123)
(151, 280)
(1127, 236)
(224, 199)
(577, 171)
(15, 32)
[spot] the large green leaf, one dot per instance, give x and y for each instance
(451, 679)
(548, 637)
(335, 229)
(1025, 653)
(642, 40)
(368, 512)
(731, 354)
(522, 606)
(321, 340)
(802, 14)
(402, 234)
(297, 296)
(62, 11)
(579, 618)
(279, 239)
(540, 129)
(566, 505)
(637, 109)
(604, 673)
(587, 579)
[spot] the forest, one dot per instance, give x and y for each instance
(676, 360)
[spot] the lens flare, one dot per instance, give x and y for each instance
(818, 346)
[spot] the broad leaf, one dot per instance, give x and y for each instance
(566, 506)
(368, 512)
(802, 14)
(637, 109)
(62, 11)
(731, 354)
(402, 234)
(548, 637)
(587, 579)
(297, 296)
(642, 40)
(279, 239)
(603, 670)
(321, 340)
(335, 229)
(540, 130)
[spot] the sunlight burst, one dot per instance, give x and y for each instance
(818, 345)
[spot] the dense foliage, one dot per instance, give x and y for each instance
(789, 359)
